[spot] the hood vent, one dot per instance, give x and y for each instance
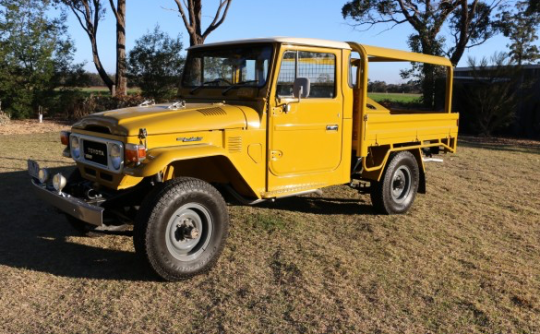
(216, 111)
(234, 144)
(97, 128)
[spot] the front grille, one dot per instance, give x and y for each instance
(95, 152)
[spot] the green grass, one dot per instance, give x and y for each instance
(395, 97)
(105, 90)
(465, 259)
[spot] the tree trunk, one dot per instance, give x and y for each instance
(99, 67)
(121, 80)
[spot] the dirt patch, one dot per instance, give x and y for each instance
(30, 126)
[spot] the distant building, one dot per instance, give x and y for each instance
(527, 123)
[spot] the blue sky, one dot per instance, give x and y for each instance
(250, 19)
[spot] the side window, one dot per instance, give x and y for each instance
(287, 74)
(353, 69)
(318, 67)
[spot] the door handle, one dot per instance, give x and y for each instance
(332, 127)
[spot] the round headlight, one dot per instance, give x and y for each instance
(59, 182)
(116, 156)
(75, 147)
(43, 175)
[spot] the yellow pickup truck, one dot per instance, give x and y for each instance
(261, 119)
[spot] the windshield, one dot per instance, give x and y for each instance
(228, 66)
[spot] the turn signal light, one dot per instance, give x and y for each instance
(135, 153)
(64, 137)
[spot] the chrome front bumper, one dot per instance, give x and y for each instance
(73, 206)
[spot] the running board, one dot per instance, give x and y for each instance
(246, 201)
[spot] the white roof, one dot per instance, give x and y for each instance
(284, 40)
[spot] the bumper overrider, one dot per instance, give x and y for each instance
(52, 193)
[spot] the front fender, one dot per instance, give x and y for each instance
(159, 158)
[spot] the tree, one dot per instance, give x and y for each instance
(89, 13)
(519, 26)
(469, 23)
(192, 21)
(534, 6)
(120, 15)
(491, 99)
(36, 57)
(155, 64)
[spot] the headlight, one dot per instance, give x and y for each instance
(75, 147)
(59, 182)
(43, 175)
(116, 156)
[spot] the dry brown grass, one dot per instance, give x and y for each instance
(466, 259)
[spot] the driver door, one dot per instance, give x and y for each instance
(305, 139)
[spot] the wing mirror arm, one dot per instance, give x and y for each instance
(300, 89)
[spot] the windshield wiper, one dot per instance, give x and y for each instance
(238, 84)
(204, 84)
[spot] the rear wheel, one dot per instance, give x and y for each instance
(181, 228)
(396, 191)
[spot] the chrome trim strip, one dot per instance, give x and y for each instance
(75, 207)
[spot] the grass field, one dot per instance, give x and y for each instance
(465, 259)
(395, 97)
(105, 91)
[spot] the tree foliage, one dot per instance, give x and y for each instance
(155, 64)
(36, 57)
(520, 26)
(192, 20)
(469, 23)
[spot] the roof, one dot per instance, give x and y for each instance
(284, 40)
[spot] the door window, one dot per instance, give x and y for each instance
(318, 67)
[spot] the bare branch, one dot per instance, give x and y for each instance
(413, 19)
(184, 18)
(213, 26)
(77, 15)
(115, 12)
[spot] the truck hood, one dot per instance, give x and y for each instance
(159, 119)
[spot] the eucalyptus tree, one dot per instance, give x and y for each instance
(89, 13)
(470, 23)
(191, 13)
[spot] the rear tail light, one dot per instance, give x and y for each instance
(64, 137)
(135, 153)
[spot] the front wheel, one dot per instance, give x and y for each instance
(395, 192)
(181, 228)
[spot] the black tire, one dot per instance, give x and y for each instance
(83, 229)
(396, 191)
(181, 228)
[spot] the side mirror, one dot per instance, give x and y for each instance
(301, 88)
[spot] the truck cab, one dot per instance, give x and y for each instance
(261, 119)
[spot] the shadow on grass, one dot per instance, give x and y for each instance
(36, 237)
(317, 205)
(499, 147)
